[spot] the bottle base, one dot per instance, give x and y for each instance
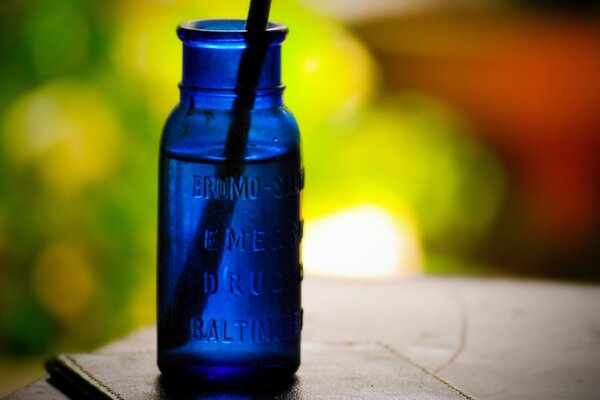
(253, 375)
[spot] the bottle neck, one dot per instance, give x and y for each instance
(224, 66)
(225, 99)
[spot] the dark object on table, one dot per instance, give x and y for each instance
(330, 370)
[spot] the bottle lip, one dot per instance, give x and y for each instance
(225, 29)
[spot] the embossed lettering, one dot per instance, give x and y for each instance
(289, 236)
(226, 187)
(241, 324)
(234, 241)
(258, 240)
(258, 330)
(210, 239)
(257, 283)
(226, 338)
(261, 330)
(210, 283)
(288, 184)
(234, 284)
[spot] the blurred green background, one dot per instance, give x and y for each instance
(442, 138)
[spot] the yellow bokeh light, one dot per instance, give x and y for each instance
(327, 68)
(310, 65)
(67, 132)
(63, 280)
(365, 241)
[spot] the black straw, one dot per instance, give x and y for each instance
(258, 15)
(247, 79)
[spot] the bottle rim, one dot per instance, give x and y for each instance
(226, 29)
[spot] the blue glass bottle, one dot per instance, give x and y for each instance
(230, 222)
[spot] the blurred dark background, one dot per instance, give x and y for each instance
(440, 137)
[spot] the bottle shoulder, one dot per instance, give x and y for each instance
(202, 133)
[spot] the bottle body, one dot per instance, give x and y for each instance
(229, 267)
